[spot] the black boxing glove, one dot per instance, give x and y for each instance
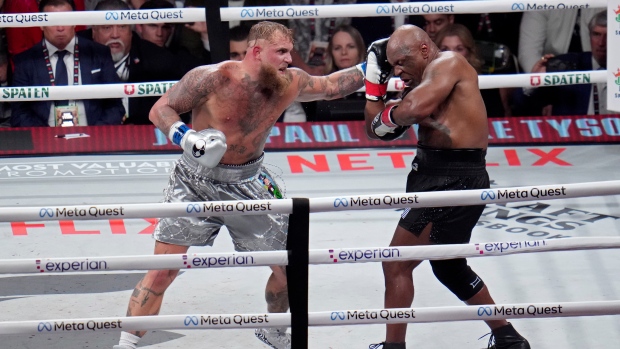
(378, 70)
(384, 127)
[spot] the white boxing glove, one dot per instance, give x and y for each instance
(207, 146)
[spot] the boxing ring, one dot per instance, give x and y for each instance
(75, 249)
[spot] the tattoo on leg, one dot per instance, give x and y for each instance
(277, 302)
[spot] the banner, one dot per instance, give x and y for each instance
(578, 129)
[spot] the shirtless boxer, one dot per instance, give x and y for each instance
(234, 106)
(443, 98)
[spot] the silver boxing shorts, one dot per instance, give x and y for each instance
(190, 182)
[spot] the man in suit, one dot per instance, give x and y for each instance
(136, 60)
(581, 99)
(71, 61)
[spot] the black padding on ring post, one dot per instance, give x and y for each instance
(298, 245)
(218, 31)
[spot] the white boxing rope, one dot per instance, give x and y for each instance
(326, 204)
(323, 318)
(160, 210)
(316, 256)
(145, 89)
(186, 15)
(462, 197)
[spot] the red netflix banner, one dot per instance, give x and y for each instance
(291, 136)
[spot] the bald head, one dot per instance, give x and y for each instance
(406, 40)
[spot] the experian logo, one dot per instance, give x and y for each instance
(111, 16)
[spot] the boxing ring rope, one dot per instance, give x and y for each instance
(316, 256)
(322, 318)
(186, 15)
(95, 91)
(326, 204)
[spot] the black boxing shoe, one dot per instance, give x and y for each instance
(506, 337)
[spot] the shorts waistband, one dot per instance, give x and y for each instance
(223, 173)
(464, 161)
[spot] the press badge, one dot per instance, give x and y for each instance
(66, 115)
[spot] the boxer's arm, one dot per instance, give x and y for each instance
(332, 86)
(438, 81)
(192, 90)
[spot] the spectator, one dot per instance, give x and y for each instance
(345, 49)
(136, 60)
(5, 72)
(157, 33)
(551, 33)
(22, 38)
(500, 28)
(194, 37)
(312, 36)
(238, 42)
(59, 50)
(436, 22)
(578, 99)
(456, 37)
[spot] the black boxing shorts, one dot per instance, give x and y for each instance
(441, 170)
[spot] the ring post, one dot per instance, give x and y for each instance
(217, 30)
(298, 245)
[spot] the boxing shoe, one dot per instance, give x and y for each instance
(506, 337)
(276, 338)
(385, 345)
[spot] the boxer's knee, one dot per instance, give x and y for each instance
(458, 277)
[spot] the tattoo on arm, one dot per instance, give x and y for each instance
(335, 85)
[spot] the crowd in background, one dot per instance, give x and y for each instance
(493, 43)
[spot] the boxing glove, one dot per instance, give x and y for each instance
(384, 127)
(378, 71)
(207, 146)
